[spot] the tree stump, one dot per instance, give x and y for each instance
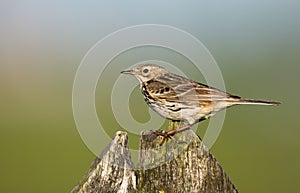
(180, 165)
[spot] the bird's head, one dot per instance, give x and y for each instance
(146, 72)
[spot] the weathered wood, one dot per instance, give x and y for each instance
(113, 172)
(181, 165)
(184, 165)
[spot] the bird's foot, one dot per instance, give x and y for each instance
(165, 135)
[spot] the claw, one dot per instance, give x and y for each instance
(165, 135)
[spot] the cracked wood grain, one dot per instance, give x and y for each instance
(184, 165)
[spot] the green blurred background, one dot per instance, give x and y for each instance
(255, 43)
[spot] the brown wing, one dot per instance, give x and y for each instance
(175, 88)
(161, 91)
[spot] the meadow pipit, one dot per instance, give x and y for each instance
(180, 99)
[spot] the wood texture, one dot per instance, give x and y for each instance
(180, 165)
(112, 171)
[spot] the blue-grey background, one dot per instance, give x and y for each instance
(255, 43)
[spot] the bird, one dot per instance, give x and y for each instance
(180, 99)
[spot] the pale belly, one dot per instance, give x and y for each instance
(190, 114)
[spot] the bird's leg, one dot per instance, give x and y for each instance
(172, 130)
(164, 134)
(183, 128)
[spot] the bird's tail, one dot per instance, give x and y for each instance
(255, 102)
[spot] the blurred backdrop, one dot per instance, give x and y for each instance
(255, 43)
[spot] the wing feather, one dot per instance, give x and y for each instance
(184, 90)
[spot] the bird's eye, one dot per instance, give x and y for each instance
(146, 70)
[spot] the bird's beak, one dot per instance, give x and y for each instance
(127, 72)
